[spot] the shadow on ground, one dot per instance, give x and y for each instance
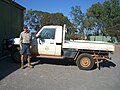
(107, 64)
(64, 62)
(7, 66)
(68, 62)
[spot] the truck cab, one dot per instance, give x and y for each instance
(48, 41)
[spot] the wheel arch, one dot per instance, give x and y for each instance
(91, 52)
(15, 47)
(14, 51)
(80, 52)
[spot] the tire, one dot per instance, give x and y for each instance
(16, 55)
(85, 61)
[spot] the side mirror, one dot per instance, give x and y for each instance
(37, 37)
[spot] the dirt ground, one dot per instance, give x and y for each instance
(117, 50)
(49, 74)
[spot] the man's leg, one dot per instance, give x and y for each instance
(28, 51)
(22, 61)
(22, 51)
(29, 63)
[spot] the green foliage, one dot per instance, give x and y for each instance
(103, 17)
(77, 17)
(107, 16)
(54, 19)
(37, 19)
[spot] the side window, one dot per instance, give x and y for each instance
(48, 33)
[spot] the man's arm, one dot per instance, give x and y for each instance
(30, 40)
(20, 41)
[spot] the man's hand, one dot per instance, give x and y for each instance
(30, 46)
(20, 47)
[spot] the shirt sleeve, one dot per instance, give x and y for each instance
(20, 41)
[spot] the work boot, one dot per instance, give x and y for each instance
(22, 65)
(29, 65)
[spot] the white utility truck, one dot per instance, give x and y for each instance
(50, 42)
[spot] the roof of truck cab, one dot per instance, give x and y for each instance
(52, 26)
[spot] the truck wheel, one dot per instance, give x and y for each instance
(16, 55)
(85, 61)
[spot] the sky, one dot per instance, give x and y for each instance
(53, 6)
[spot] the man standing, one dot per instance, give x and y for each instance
(25, 46)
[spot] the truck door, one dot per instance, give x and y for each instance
(46, 41)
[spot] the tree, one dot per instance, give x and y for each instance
(100, 18)
(94, 13)
(114, 28)
(77, 18)
(32, 19)
(106, 17)
(81, 21)
(37, 19)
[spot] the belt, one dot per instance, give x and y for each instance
(26, 43)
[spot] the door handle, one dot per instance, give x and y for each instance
(39, 42)
(51, 43)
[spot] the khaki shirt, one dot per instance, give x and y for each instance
(25, 37)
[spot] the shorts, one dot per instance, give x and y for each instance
(25, 49)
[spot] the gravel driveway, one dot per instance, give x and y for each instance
(58, 74)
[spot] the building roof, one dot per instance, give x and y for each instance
(14, 4)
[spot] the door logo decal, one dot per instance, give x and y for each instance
(47, 48)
